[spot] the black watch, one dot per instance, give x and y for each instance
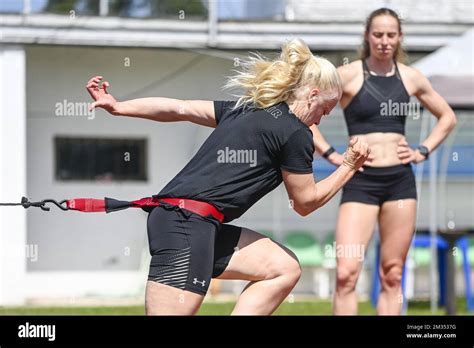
(424, 151)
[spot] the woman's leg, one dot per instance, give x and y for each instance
(272, 270)
(355, 226)
(397, 225)
(161, 299)
(182, 249)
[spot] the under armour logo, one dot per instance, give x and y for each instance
(203, 282)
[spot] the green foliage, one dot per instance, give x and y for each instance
(159, 8)
(65, 6)
(156, 8)
(60, 6)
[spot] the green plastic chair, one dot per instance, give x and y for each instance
(305, 247)
(470, 251)
(329, 254)
(310, 254)
(330, 238)
(422, 257)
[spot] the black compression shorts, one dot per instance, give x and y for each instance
(376, 185)
(187, 249)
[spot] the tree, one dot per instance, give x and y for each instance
(128, 8)
(86, 7)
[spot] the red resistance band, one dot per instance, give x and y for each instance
(108, 205)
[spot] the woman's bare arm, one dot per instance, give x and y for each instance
(436, 104)
(156, 109)
(321, 146)
(307, 196)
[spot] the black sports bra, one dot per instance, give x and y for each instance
(381, 105)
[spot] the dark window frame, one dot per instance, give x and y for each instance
(92, 171)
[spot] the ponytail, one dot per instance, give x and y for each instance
(266, 83)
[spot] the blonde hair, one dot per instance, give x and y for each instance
(266, 83)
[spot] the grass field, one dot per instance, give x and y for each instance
(225, 308)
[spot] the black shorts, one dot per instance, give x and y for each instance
(187, 250)
(376, 185)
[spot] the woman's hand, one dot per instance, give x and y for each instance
(357, 153)
(406, 154)
(102, 98)
(337, 159)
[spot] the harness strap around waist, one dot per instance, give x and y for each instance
(109, 205)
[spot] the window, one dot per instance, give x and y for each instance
(100, 159)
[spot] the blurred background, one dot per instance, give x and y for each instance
(52, 147)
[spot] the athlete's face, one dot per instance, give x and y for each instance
(311, 104)
(324, 109)
(383, 37)
(321, 105)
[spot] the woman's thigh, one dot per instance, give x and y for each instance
(397, 225)
(355, 227)
(257, 257)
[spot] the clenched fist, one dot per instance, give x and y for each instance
(356, 154)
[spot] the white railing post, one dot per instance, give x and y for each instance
(26, 7)
(104, 8)
(213, 9)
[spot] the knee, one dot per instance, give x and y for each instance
(286, 267)
(391, 274)
(292, 271)
(346, 277)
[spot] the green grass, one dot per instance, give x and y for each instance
(214, 308)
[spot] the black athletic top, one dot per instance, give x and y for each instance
(381, 105)
(241, 161)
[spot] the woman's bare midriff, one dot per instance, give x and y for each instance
(383, 148)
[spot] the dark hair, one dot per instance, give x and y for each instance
(400, 54)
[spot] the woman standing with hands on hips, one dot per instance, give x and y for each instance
(383, 189)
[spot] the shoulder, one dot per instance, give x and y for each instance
(414, 76)
(348, 72)
(224, 105)
(298, 144)
(280, 120)
(298, 134)
(225, 109)
(409, 71)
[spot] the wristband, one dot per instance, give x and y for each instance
(328, 152)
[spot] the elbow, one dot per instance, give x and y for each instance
(306, 203)
(304, 209)
(302, 212)
(453, 122)
(450, 121)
